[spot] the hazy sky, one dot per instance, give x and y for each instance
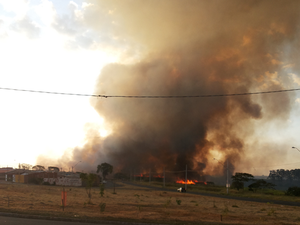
(61, 46)
(44, 46)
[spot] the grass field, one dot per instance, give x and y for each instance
(267, 194)
(136, 204)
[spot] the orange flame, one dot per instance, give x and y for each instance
(191, 182)
(187, 182)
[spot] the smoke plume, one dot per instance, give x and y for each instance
(191, 48)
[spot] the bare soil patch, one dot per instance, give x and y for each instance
(138, 204)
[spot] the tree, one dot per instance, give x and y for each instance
(89, 179)
(25, 166)
(282, 175)
(38, 167)
(239, 179)
(261, 184)
(105, 169)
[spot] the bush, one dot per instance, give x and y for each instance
(178, 201)
(101, 190)
(293, 191)
(260, 184)
(102, 207)
(238, 185)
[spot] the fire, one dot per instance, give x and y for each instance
(187, 182)
(190, 182)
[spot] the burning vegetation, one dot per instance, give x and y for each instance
(191, 182)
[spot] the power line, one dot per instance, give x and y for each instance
(47, 92)
(150, 96)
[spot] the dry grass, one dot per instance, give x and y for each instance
(141, 204)
(271, 195)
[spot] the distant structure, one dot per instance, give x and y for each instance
(3, 171)
(38, 175)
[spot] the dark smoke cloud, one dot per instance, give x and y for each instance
(192, 48)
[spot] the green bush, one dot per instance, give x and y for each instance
(101, 190)
(293, 191)
(102, 207)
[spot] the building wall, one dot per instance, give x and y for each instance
(2, 176)
(64, 181)
(18, 178)
(29, 177)
(42, 175)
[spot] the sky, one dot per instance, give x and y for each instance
(63, 46)
(40, 53)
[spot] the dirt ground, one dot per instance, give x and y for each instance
(137, 204)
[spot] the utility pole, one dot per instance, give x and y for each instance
(164, 177)
(185, 177)
(227, 177)
(133, 175)
(150, 176)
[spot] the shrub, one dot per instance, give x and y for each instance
(178, 201)
(293, 191)
(102, 207)
(101, 190)
(260, 184)
(168, 202)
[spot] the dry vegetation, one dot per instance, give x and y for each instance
(268, 194)
(141, 204)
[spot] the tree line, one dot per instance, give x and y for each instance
(281, 174)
